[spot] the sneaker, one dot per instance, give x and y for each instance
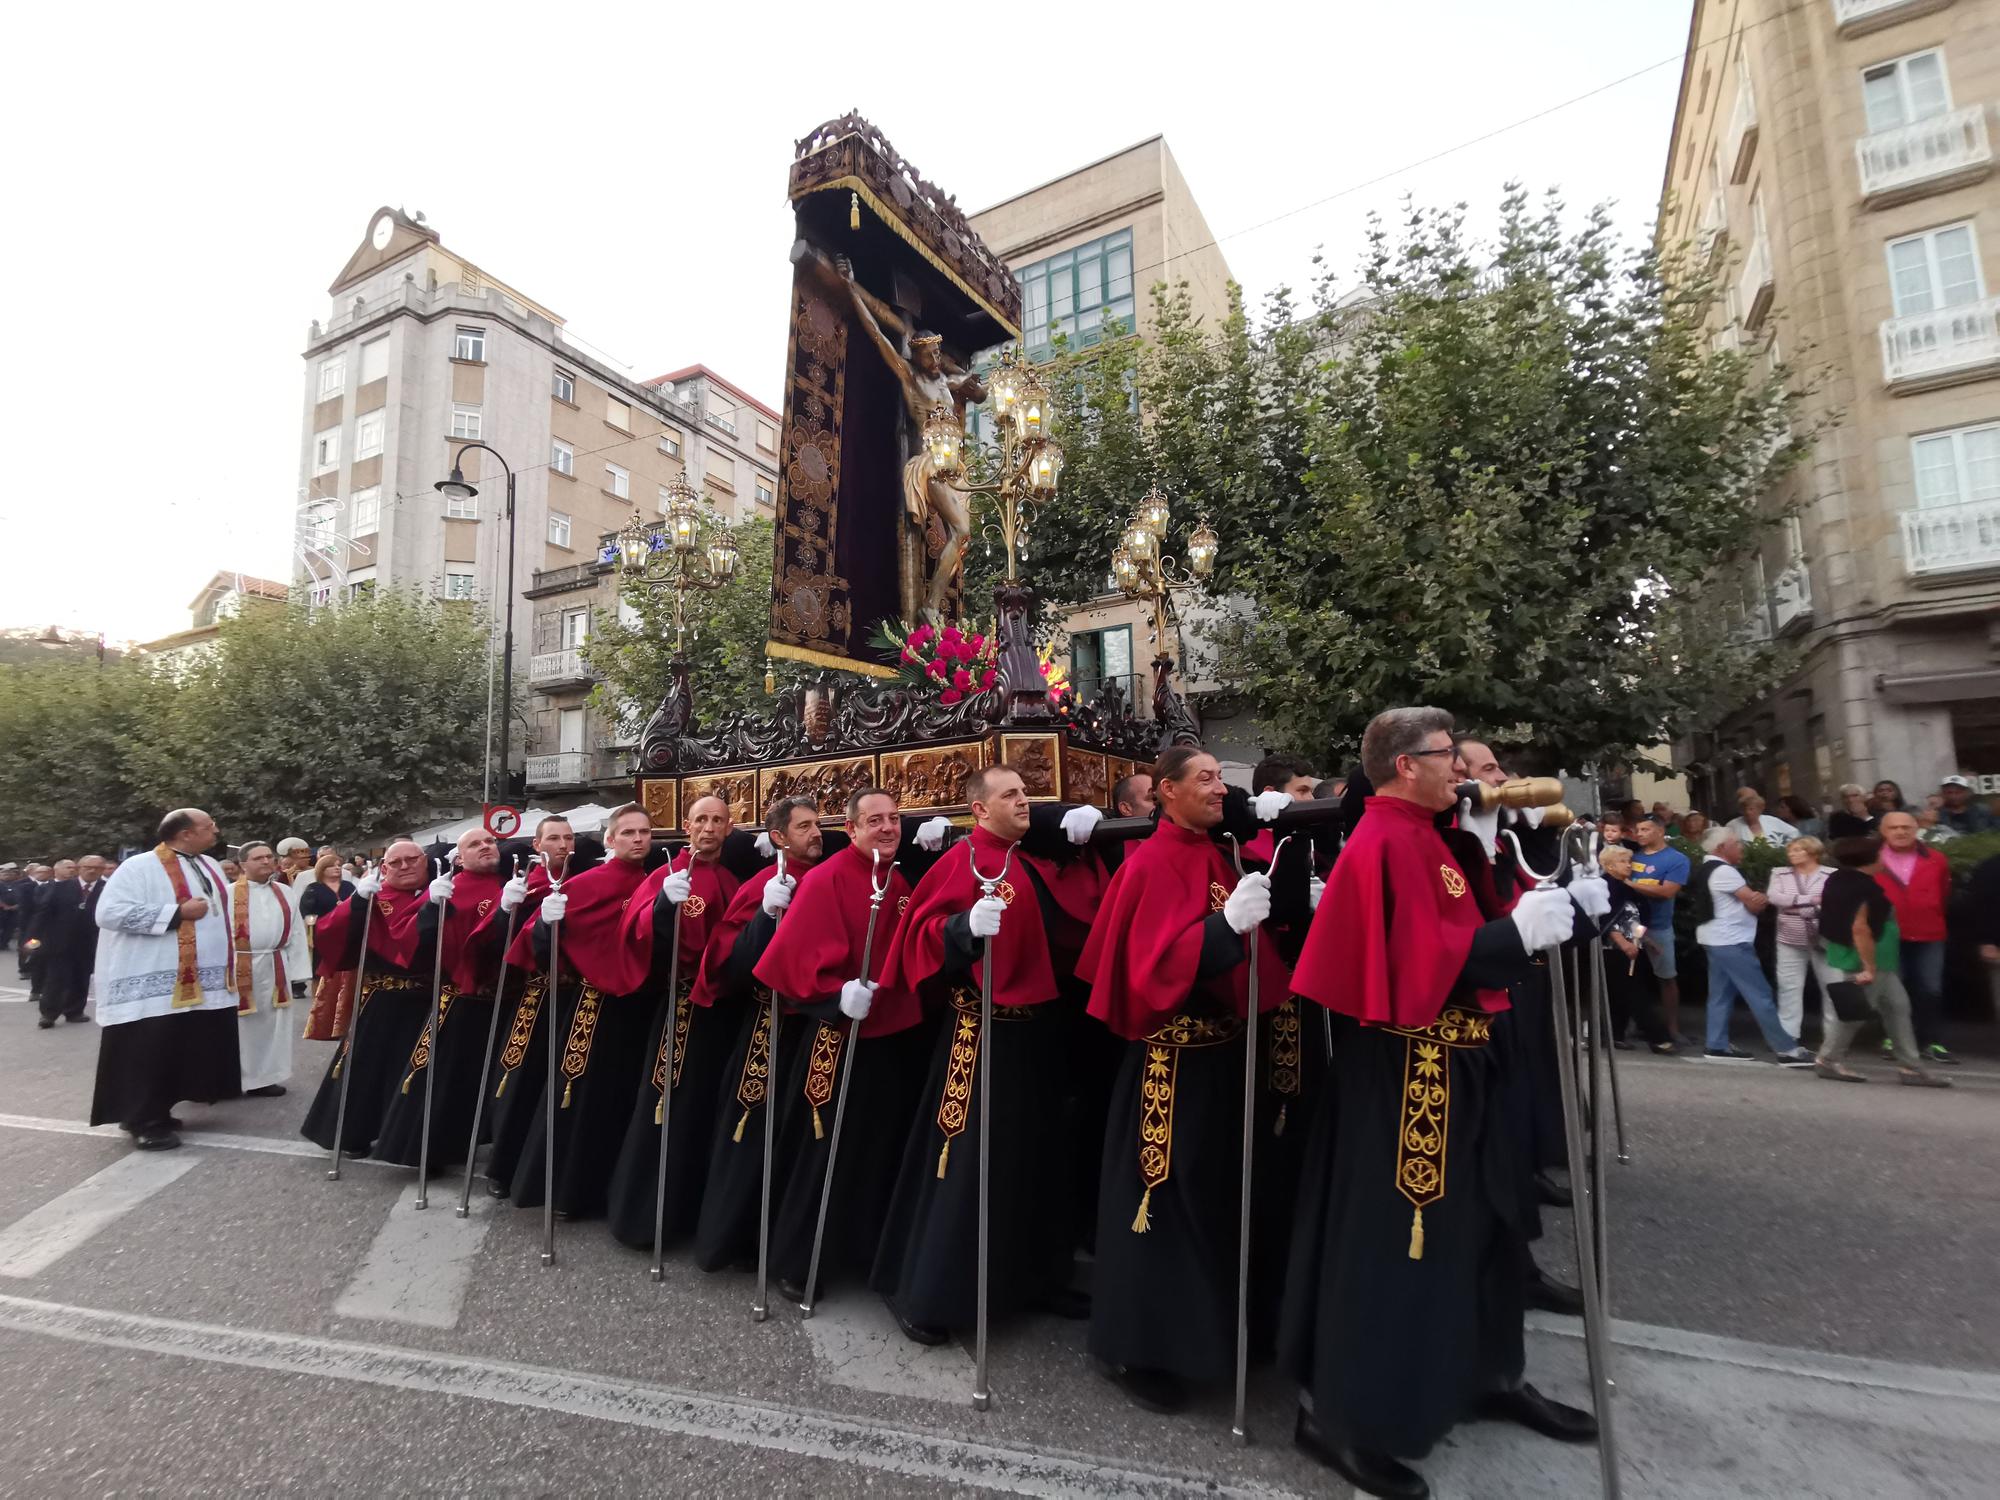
(1727, 1054)
(1936, 1054)
(1798, 1057)
(1888, 1047)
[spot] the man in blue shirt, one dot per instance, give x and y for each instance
(1658, 873)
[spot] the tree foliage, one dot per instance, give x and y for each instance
(77, 736)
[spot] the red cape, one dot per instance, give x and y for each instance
(392, 932)
(592, 943)
(1146, 945)
(494, 928)
(1025, 955)
(743, 910)
(712, 888)
(817, 947)
(474, 897)
(1393, 930)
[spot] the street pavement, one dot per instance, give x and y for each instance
(1802, 1274)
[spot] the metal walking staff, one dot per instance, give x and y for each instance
(431, 1057)
(981, 1396)
(761, 1308)
(492, 1032)
(555, 1052)
(1596, 1337)
(343, 1063)
(876, 893)
(667, 1063)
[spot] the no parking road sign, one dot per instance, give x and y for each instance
(502, 821)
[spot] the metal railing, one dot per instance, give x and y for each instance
(1945, 538)
(1942, 343)
(564, 768)
(558, 666)
(1791, 596)
(1865, 15)
(1911, 155)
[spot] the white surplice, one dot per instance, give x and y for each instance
(138, 957)
(264, 1037)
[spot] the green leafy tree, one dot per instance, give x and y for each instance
(78, 737)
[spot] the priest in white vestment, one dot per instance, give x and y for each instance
(272, 969)
(166, 1007)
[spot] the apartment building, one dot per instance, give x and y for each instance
(1835, 157)
(425, 353)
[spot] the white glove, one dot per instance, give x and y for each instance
(855, 997)
(677, 886)
(441, 890)
(554, 904)
(1270, 804)
(1315, 888)
(984, 918)
(513, 893)
(777, 894)
(764, 846)
(1591, 895)
(931, 832)
(1249, 903)
(369, 883)
(1078, 822)
(1543, 919)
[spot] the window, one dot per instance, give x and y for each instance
(375, 360)
(666, 499)
(1904, 90)
(367, 506)
(765, 494)
(1957, 468)
(558, 529)
(569, 731)
(326, 450)
(767, 437)
(721, 469)
(319, 527)
(458, 581)
(721, 412)
(456, 509)
(464, 420)
(368, 434)
(670, 443)
(1098, 656)
(1939, 268)
(1795, 540)
(360, 583)
(1077, 292)
(562, 458)
(618, 481)
(618, 414)
(470, 344)
(565, 386)
(575, 628)
(332, 376)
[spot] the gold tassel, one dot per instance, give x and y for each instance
(503, 1085)
(1417, 1236)
(738, 1137)
(336, 1065)
(819, 1130)
(659, 1109)
(943, 1157)
(770, 679)
(1143, 1220)
(567, 1088)
(406, 1081)
(853, 210)
(1279, 1127)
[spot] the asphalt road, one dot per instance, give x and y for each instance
(1803, 1273)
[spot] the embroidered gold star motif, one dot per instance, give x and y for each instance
(1454, 883)
(1005, 891)
(902, 905)
(1217, 896)
(694, 906)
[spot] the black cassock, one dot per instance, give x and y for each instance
(389, 1015)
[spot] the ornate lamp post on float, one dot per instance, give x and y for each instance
(1144, 572)
(674, 556)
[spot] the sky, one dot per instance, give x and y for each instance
(186, 181)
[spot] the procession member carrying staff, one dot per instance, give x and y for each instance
(524, 1040)
(1168, 970)
(394, 1001)
(1403, 1307)
(726, 1233)
(813, 961)
(465, 1011)
(694, 888)
(600, 1025)
(926, 1265)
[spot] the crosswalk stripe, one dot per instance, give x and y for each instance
(269, 1145)
(37, 1240)
(420, 1266)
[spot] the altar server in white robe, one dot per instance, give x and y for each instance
(166, 1010)
(272, 969)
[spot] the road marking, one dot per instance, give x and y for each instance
(420, 1266)
(270, 1145)
(856, 1343)
(37, 1240)
(886, 1447)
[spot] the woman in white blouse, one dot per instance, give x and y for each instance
(1758, 826)
(1795, 896)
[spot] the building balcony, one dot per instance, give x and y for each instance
(1931, 156)
(1791, 598)
(1943, 347)
(1741, 149)
(1859, 17)
(1755, 288)
(1712, 237)
(547, 669)
(565, 580)
(1945, 539)
(564, 768)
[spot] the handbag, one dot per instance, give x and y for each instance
(1850, 1000)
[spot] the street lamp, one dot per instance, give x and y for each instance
(459, 488)
(673, 554)
(1144, 572)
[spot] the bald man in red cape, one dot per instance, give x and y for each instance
(1403, 1299)
(925, 1267)
(600, 1024)
(695, 889)
(1168, 967)
(814, 962)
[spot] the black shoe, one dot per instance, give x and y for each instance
(1537, 1413)
(495, 1188)
(45, 1023)
(1626, 1046)
(1551, 1192)
(153, 1138)
(1155, 1390)
(792, 1291)
(1554, 1296)
(1727, 1054)
(1066, 1302)
(268, 1091)
(78, 1019)
(1371, 1473)
(916, 1333)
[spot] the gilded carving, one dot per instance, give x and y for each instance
(931, 778)
(828, 782)
(737, 788)
(1084, 778)
(660, 796)
(1035, 756)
